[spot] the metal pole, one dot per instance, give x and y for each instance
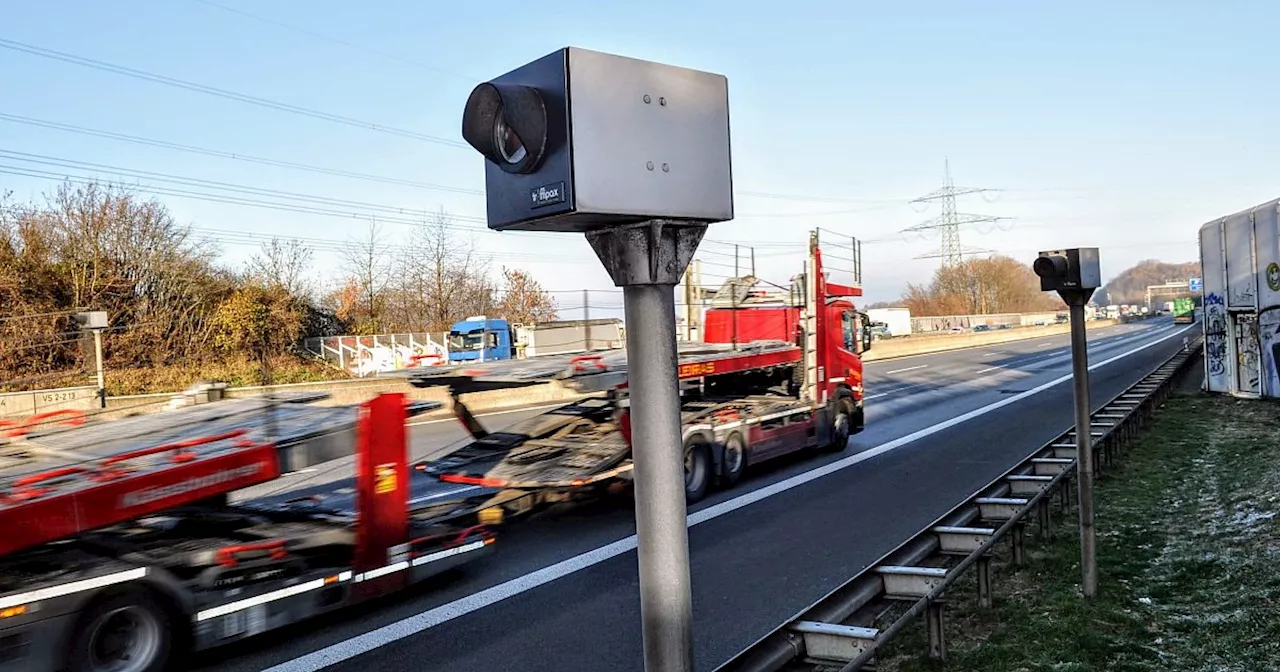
(102, 380)
(586, 317)
(666, 609)
(733, 296)
(1084, 450)
(688, 303)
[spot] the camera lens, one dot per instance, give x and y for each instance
(507, 142)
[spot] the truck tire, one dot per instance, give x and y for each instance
(697, 469)
(733, 460)
(841, 424)
(125, 632)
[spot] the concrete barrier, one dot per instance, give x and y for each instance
(924, 345)
(342, 392)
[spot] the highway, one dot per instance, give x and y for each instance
(560, 593)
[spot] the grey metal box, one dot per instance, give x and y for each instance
(94, 319)
(1083, 271)
(627, 141)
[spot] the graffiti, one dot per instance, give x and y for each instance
(1248, 356)
(1269, 336)
(1243, 296)
(1215, 342)
(1273, 276)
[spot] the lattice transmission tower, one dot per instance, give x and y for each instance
(950, 221)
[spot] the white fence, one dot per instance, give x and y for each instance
(943, 323)
(368, 355)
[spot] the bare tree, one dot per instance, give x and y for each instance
(371, 268)
(998, 284)
(442, 278)
(284, 265)
(524, 300)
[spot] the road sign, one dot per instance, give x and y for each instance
(1195, 284)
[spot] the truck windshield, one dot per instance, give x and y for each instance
(847, 325)
(471, 340)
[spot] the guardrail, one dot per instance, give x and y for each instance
(838, 632)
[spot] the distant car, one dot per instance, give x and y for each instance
(1002, 326)
(957, 330)
(982, 327)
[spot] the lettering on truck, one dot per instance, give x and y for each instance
(697, 369)
(149, 495)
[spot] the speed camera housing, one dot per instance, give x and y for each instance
(581, 140)
(1072, 269)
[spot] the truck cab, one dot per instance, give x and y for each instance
(481, 339)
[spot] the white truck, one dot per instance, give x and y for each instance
(896, 321)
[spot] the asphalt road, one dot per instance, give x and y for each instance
(560, 593)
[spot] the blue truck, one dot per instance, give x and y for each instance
(481, 339)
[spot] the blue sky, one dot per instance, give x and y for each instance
(1117, 125)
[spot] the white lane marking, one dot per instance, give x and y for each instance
(909, 368)
(492, 413)
(1044, 345)
(896, 390)
(412, 625)
(994, 368)
(438, 495)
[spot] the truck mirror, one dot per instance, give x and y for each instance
(865, 331)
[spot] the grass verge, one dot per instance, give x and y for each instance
(235, 372)
(1189, 558)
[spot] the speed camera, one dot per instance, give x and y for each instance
(581, 140)
(1076, 268)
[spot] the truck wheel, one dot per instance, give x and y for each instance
(697, 469)
(129, 632)
(734, 460)
(841, 423)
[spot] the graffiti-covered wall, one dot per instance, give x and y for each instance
(1215, 310)
(1240, 258)
(1266, 232)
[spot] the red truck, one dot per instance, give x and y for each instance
(777, 372)
(122, 550)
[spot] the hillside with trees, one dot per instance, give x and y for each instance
(178, 313)
(1130, 286)
(996, 284)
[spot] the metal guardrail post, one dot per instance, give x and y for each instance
(983, 567)
(937, 631)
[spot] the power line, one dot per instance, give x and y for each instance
(385, 216)
(44, 159)
(222, 93)
(335, 40)
(950, 221)
(232, 237)
(819, 199)
(232, 155)
(385, 212)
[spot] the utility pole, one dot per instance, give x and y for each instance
(1075, 274)
(689, 298)
(950, 221)
(586, 318)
